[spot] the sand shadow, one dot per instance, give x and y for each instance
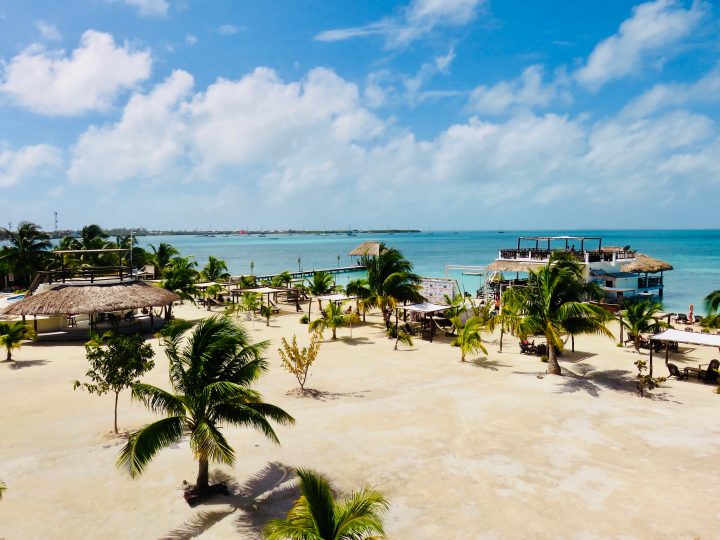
(322, 395)
(268, 494)
(22, 364)
(586, 379)
(354, 341)
(577, 356)
(484, 363)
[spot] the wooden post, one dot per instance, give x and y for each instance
(667, 352)
(432, 327)
(651, 358)
(35, 323)
(621, 330)
(572, 340)
(152, 320)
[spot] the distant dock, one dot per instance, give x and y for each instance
(309, 273)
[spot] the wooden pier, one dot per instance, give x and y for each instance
(309, 273)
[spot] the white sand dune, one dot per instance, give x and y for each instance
(488, 449)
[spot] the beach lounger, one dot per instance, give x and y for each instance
(527, 347)
(681, 318)
(710, 373)
(675, 372)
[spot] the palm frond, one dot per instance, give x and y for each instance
(208, 443)
(158, 400)
(146, 442)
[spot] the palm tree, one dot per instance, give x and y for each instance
(322, 283)
(215, 270)
(211, 377)
(390, 280)
(555, 302)
(359, 289)
(468, 338)
(12, 335)
(333, 318)
(3, 488)
(712, 305)
(639, 317)
(281, 280)
(27, 252)
(317, 515)
(179, 277)
(161, 257)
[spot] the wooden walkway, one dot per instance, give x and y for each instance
(309, 273)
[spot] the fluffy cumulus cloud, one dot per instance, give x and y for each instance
(280, 143)
(650, 33)
(412, 22)
(49, 32)
(528, 91)
(28, 163)
(149, 8)
(89, 79)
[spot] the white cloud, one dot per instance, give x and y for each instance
(413, 85)
(49, 32)
(650, 33)
(28, 163)
(412, 22)
(149, 8)
(89, 79)
(190, 39)
(280, 143)
(228, 29)
(662, 96)
(528, 91)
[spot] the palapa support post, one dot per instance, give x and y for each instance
(621, 331)
(152, 320)
(651, 358)
(35, 323)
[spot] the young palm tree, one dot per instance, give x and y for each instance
(249, 303)
(469, 338)
(215, 270)
(333, 318)
(317, 515)
(180, 276)
(12, 335)
(322, 283)
(390, 280)
(3, 488)
(712, 305)
(555, 302)
(161, 257)
(211, 377)
(281, 280)
(27, 252)
(359, 289)
(639, 317)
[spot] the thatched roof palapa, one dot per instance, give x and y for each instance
(99, 297)
(514, 266)
(366, 248)
(644, 263)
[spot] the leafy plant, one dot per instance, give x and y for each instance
(321, 284)
(12, 335)
(645, 381)
(317, 515)
(333, 318)
(401, 336)
(469, 338)
(215, 270)
(304, 319)
(212, 377)
(639, 317)
(298, 361)
(116, 366)
(3, 489)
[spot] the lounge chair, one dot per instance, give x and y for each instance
(527, 347)
(710, 373)
(675, 372)
(698, 319)
(681, 318)
(689, 329)
(444, 325)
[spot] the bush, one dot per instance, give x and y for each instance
(544, 358)
(304, 319)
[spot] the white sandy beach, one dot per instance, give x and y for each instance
(488, 449)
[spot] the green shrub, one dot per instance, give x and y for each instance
(544, 358)
(304, 319)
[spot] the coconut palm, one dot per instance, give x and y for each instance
(508, 318)
(554, 302)
(27, 252)
(161, 257)
(215, 270)
(639, 317)
(179, 277)
(712, 306)
(3, 488)
(281, 280)
(469, 338)
(322, 283)
(211, 376)
(360, 290)
(12, 335)
(390, 280)
(333, 318)
(317, 515)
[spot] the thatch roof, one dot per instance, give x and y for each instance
(366, 248)
(644, 263)
(99, 297)
(514, 266)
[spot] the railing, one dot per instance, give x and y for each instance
(90, 273)
(650, 282)
(582, 256)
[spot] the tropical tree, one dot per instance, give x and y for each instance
(27, 252)
(179, 277)
(360, 290)
(212, 377)
(317, 515)
(712, 306)
(298, 361)
(469, 338)
(249, 302)
(639, 317)
(333, 318)
(215, 270)
(281, 280)
(554, 302)
(116, 365)
(3, 488)
(507, 318)
(140, 257)
(322, 283)
(390, 280)
(161, 257)
(12, 335)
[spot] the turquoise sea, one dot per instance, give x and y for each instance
(695, 254)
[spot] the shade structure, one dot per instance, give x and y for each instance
(514, 266)
(644, 263)
(338, 297)
(261, 290)
(86, 298)
(424, 307)
(691, 338)
(371, 249)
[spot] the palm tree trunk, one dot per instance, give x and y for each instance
(8, 358)
(334, 334)
(553, 366)
(397, 331)
(203, 475)
(116, 403)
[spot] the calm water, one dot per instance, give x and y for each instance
(694, 254)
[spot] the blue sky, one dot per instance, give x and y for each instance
(417, 113)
